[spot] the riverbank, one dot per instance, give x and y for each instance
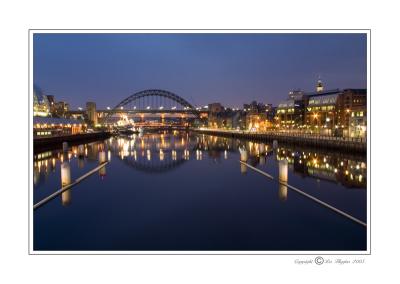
(335, 143)
(40, 144)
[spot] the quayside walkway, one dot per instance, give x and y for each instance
(320, 141)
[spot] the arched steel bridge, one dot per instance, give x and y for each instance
(156, 93)
(154, 101)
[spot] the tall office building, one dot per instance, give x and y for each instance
(91, 112)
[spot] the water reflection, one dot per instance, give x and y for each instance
(66, 180)
(165, 148)
(349, 171)
(46, 163)
(283, 179)
(154, 153)
(164, 174)
(161, 152)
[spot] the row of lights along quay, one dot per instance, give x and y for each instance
(337, 117)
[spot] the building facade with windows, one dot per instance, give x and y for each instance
(41, 105)
(290, 113)
(51, 126)
(334, 112)
(61, 109)
(322, 112)
(338, 112)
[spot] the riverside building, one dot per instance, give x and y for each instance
(335, 112)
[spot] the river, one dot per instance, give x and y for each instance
(182, 191)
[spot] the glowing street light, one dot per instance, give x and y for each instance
(108, 108)
(122, 107)
(79, 108)
(148, 107)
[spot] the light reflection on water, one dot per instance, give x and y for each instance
(326, 175)
(350, 171)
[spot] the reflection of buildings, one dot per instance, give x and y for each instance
(162, 152)
(46, 162)
(156, 152)
(351, 173)
(215, 146)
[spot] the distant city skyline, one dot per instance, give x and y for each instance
(232, 69)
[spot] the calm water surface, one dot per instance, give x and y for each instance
(180, 191)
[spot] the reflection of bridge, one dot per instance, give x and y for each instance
(152, 153)
(154, 166)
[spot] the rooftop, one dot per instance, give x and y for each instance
(54, 120)
(286, 104)
(327, 92)
(323, 100)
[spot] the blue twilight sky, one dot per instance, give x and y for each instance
(202, 68)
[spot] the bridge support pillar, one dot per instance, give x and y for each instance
(283, 177)
(275, 144)
(81, 151)
(65, 146)
(65, 180)
(261, 148)
(243, 154)
(102, 159)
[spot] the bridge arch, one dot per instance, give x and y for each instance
(155, 93)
